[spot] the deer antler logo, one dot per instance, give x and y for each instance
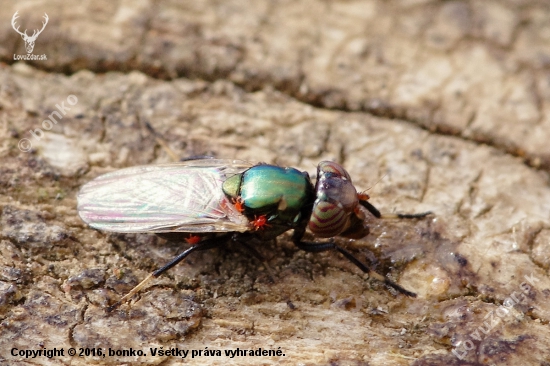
(29, 41)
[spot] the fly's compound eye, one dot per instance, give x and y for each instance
(330, 169)
(328, 219)
(336, 201)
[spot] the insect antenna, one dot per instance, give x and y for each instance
(161, 142)
(375, 183)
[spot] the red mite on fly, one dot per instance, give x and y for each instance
(210, 202)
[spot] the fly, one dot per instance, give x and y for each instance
(210, 202)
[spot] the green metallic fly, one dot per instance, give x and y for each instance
(210, 202)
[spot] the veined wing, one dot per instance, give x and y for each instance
(177, 197)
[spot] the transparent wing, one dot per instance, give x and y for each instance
(181, 197)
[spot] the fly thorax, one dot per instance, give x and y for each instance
(279, 194)
(335, 203)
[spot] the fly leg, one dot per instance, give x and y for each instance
(321, 247)
(374, 211)
(203, 245)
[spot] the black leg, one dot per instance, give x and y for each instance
(321, 247)
(374, 211)
(412, 216)
(203, 245)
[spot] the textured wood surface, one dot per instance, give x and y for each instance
(432, 105)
